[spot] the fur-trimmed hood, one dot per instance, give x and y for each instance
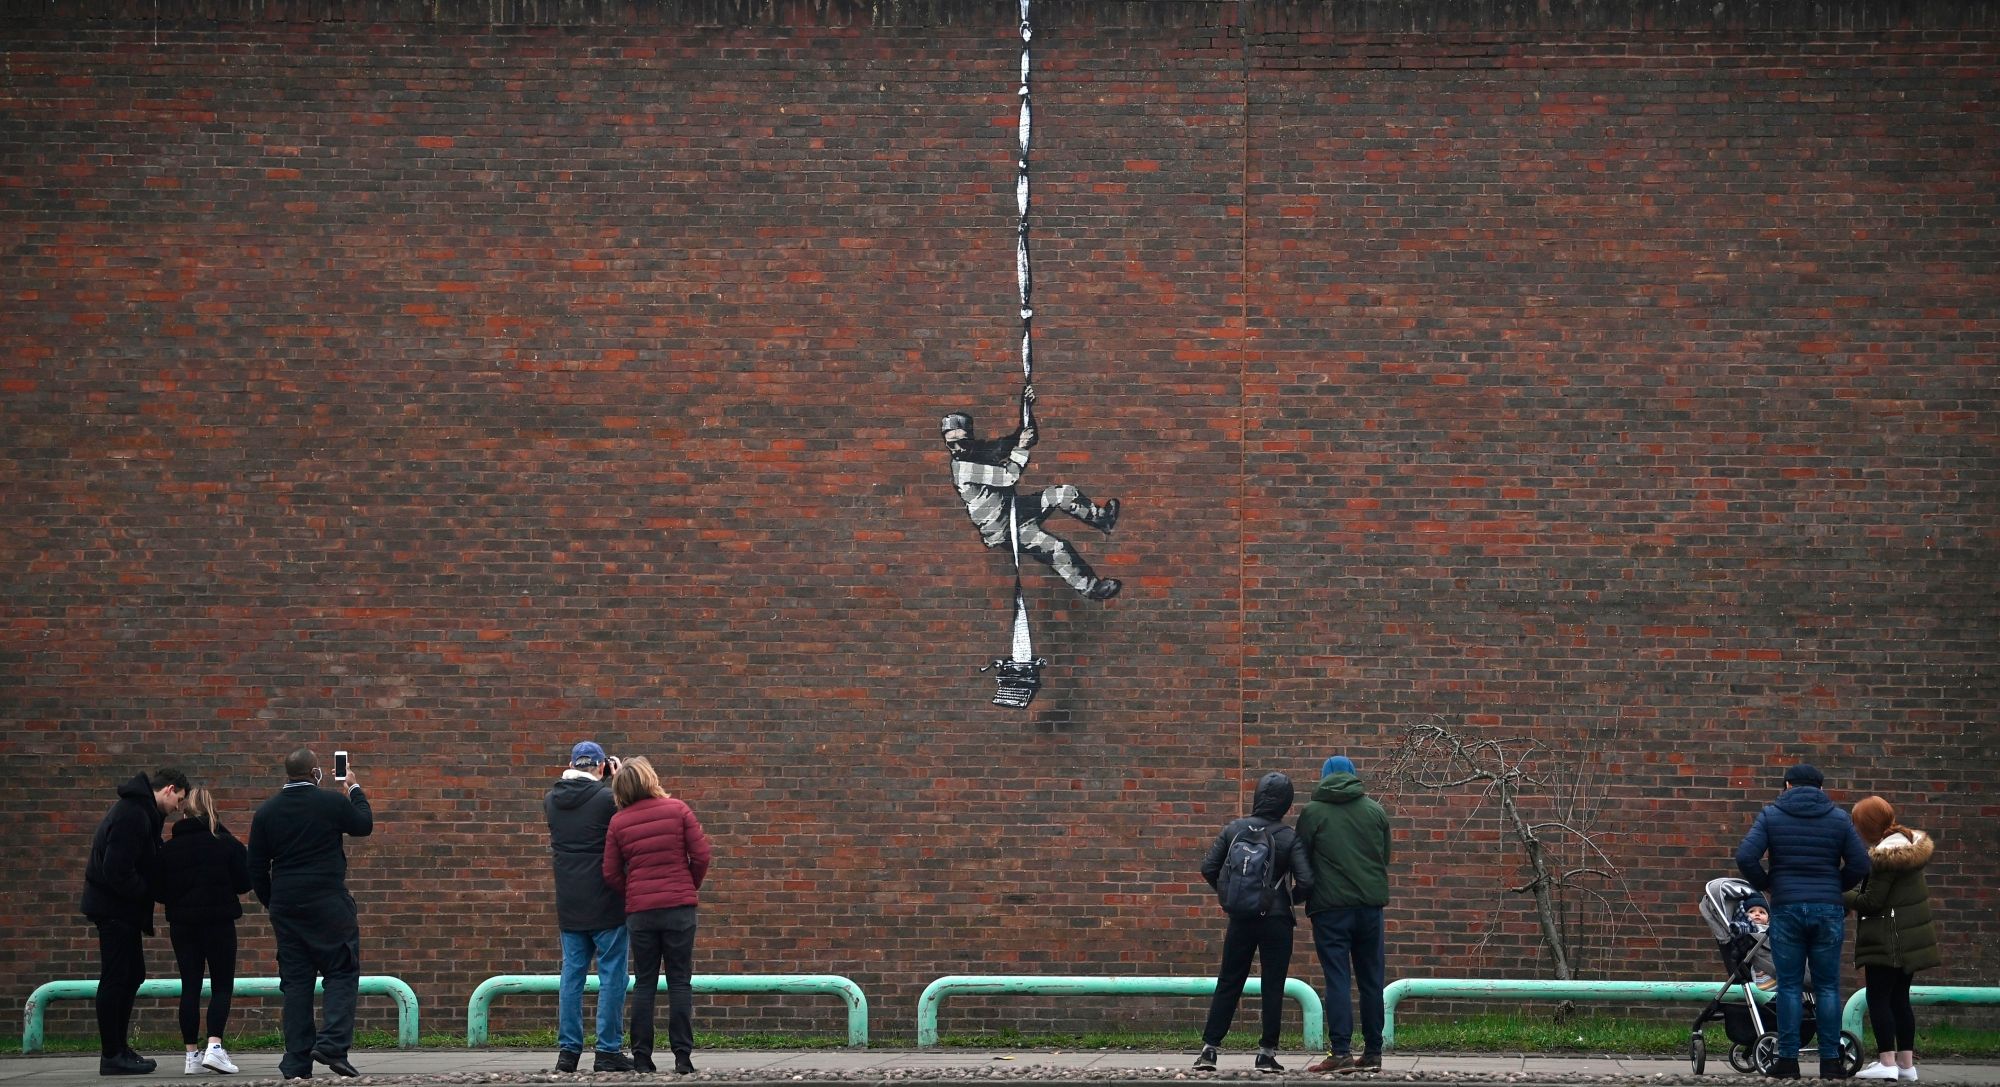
(1901, 850)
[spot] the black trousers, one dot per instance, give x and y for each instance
(1270, 940)
(211, 946)
(121, 955)
(662, 940)
(1889, 1009)
(317, 940)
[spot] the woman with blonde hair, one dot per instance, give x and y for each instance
(656, 855)
(202, 874)
(1893, 936)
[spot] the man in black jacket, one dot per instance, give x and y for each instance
(118, 899)
(298, 867)
(1286, 876)
(590, 915)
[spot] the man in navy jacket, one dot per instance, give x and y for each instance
(298, 867)
(1815, 855)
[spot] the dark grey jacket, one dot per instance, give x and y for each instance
(1272, 801)
(579, 810)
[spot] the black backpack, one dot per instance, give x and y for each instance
(1249, 883)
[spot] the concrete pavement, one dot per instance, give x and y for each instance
(876, 1065)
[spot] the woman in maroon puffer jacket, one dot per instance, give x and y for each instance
(656, 855)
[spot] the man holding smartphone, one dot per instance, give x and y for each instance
(590, 915)
(298, 868)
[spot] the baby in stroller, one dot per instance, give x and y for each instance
(1740, 920)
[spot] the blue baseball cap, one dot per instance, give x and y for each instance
(586, 753)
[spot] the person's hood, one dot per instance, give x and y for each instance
(1339, 787)
(1274, 797)
(1804, 802)
(1901, 850)
(190, 825)
(140, 789)
(570, 793)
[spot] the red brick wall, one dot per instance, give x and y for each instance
(450, 392)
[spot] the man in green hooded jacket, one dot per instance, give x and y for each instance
(1346, 838)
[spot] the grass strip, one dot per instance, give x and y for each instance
(1498, 1033)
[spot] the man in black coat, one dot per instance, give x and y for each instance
(590, 915)
(118, 899)
(298, 867)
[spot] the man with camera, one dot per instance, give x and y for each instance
(590, 915)
(298, 867)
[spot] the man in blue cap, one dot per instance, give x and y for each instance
(1346, 837)
(591, 915)
(1815, 855)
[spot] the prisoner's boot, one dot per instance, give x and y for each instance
(1107, 516)
(1105, 589)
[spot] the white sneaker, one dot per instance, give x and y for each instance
(194, 1067)
(217, 1058)
(1878, 1070)
(1909, 1073)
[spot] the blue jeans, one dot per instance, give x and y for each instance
(609, 945)
(1807, 935)
(1345, 935)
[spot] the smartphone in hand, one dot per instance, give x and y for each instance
(340, 766)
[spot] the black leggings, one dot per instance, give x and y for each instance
(1889, 1009)
(215, 946)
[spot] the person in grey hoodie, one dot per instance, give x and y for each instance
(590, 914)
(1267, 936)
(1816, 854)
(1346, 836)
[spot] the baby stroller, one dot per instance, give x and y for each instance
(1746, 954)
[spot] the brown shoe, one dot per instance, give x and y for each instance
(1366, 1062)
(1332, 1062)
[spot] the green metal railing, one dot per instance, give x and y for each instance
(1857, 1005)
(479, 1010)
(1037, 985)
(1686, 992)
(371, 985)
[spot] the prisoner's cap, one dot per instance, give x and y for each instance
(586, 753)
(1805, 773)
(957, 420)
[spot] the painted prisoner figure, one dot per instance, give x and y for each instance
(986, 472)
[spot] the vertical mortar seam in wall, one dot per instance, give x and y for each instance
(1243, 411)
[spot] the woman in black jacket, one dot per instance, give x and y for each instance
(202, 874)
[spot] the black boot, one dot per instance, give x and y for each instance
(1107, 516)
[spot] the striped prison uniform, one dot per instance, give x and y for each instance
(985, 475)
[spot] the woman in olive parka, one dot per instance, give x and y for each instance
(1894, 937)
